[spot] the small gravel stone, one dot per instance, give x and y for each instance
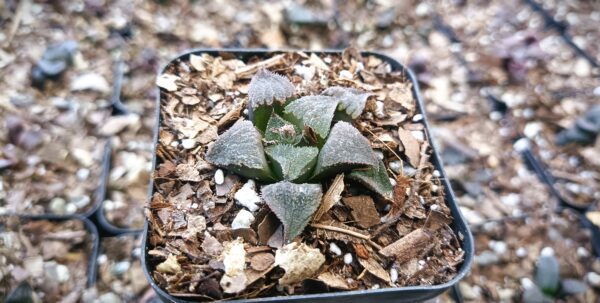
(58, 206)
(348, 258)
(396, 166)
(419, 135)
(242, 220)
(417, 118)
(486, 258)
(335, 249)
(81, 201)
(582, 252)
(521, 252)
(499, 247)
(247, 196)
(344, 74)
(188, 143)
(70, 208)
(120, 268)
(219, 177)
(593, 278)
(393, 275)
(379, 109)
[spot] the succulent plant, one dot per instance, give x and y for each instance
(298, 143)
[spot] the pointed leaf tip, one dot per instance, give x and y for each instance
(293, 204)
(351, 100)
(315, 111)
(374, 178)
(346, 148)
(240, 150)
(266, 86)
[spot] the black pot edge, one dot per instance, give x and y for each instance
(105, 228)
(418, 292)
(92, 271)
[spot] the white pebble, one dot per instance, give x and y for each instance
(393, 275)
(434, 207)
(188, 143)
(436, 173)
(417, 118)
(521, 145)
(597, 91)
(344, 74)
(393, 181)
(379, 155)
(242, 220)
(593, 278)
(70, 208)
(499, 247)
(348, 258)
(102, 259)
(395, 166)
(219, 177)
(547, 252)
(247, 196)
(521, 252)
(375, 286)
(582, 252)
(531, 129)
(83, 174)
(495, 116)
(419, 135)
(379, 109)
(335, 249)
(434, 188)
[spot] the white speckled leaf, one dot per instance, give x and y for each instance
(292, 163)
(293, 204)
(346, 148)
(374, 178)
(240, 150)
(266, 86)
(314, 111)
(351, 100)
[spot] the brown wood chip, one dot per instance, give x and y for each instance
(261, 261)
(363, 210)
(409, 246)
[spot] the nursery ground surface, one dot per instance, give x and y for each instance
(49, 159)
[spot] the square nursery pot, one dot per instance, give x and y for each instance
(92, 268)
(399, 294)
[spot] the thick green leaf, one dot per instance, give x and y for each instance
(315, 111)
(547, 274)
(266, 87)
(292, 163)
(351, 100)
(240, 150)
(282, 131)
(345, 149)
(293, 204)
(375, 179)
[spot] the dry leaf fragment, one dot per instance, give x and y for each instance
(594, 216)
(167, 81)
(299, 262)
(195, 225)
(374, 268)
(234, 261)
(409, 246)
(262, 261)
(411, 146)
(331, 197)
(360, 250)
(211, 245)
(188, 127)
(363, 210)
(197, 62)
(169, 266)
(333, 280)
(436, 220)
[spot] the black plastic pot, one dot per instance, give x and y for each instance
(401, 294)
(105, 228)
(97, 197)
(91, 228)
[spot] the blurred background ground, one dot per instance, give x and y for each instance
(491, 72)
